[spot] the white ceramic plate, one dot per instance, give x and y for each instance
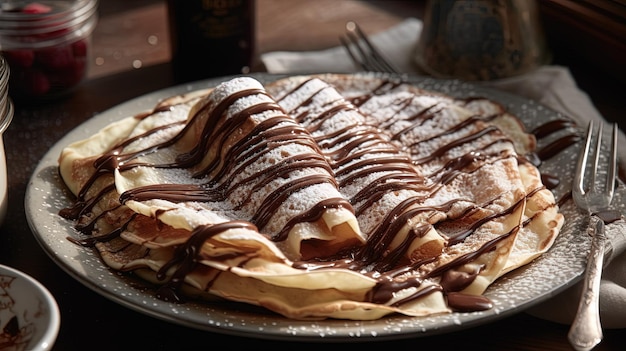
(551, 273)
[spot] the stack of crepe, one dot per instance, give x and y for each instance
(327, 196)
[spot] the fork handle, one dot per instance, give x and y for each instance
(586, 331)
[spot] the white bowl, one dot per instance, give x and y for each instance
(29, 315)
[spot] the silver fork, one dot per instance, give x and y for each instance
(592, 196)
(360, 49)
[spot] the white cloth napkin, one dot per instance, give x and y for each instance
(552, 86)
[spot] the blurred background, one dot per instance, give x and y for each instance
(588, 36)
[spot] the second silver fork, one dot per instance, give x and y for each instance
(362, 52)
(593, 197)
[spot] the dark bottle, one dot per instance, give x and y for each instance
(211, 38)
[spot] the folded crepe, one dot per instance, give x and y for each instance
(324, 196)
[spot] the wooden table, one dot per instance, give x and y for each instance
(131, 58)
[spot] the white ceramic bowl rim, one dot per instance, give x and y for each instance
(47, 339)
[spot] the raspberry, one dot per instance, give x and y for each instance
(80, 48)
(55, 58)
(31, 82)
(20, 58)
(67, 77)
(36, 8)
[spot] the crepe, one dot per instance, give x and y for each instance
(326, 196)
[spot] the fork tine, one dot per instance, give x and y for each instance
(353, 57)
(609, 184)
(612, 172)
(579, 177)
(367, 56)
(596, 156)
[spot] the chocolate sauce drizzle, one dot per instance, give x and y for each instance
(340, 153)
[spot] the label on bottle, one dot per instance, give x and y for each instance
(221, 19)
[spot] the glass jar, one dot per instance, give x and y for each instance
(481, 40)
(47, 45)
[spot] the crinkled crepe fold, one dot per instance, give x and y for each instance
(326, 196)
